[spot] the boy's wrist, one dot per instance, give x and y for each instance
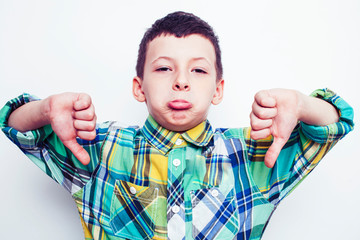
(303, 106)
(315, 111)
(45, 111)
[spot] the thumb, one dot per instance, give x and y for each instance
(274, 151)
(78, 151)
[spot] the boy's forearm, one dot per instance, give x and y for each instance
(315, 111)
(30, 116)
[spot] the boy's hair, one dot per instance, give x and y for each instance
(179, 24)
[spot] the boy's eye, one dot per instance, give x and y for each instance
(163, 69)
(199, 70)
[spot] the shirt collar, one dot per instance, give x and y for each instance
(164, 139)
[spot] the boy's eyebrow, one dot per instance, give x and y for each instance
(171, 59)
(201, 58)
(162, 57)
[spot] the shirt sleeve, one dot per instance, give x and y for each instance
(305, 148)
(45, 149)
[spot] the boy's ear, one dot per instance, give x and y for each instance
(137, 89)
(219, 93)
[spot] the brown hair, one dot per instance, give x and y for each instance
(179, 24)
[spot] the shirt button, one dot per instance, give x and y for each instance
(176, 162)
(215, 193)
(132, 190)
(175, 209)
(179, 142)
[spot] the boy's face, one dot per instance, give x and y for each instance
(179, 83)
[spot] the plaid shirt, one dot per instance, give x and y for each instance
(152, 183)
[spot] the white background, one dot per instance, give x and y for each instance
(48, 47)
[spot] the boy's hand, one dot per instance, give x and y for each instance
(274, 112)
(72, 115)
(277, 111)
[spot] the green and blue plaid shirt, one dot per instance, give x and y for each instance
(152, 183)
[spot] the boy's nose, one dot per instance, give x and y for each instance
(181, 84)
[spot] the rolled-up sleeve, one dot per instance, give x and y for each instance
(335, 131)
(305, 148)
(45, 149)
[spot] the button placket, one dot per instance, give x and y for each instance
(176, 162)
(176, 210)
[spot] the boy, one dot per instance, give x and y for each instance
(175, 177)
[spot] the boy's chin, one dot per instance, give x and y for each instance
(182, 127)
(177, 127)
(179, 121)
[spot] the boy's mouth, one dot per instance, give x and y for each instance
(179, 104)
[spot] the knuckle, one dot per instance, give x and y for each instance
(85, 99)
(251, 116)
(256, 125)
(89, 135)
(92, 126)
(262, 97)
(258, 94)
(89, 126)
(262, 113)
(254, 106)
(89, 115)
(93, 134)
(263, 101)
(254, 135)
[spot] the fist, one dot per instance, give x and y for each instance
(274, 112)
(72, 115)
